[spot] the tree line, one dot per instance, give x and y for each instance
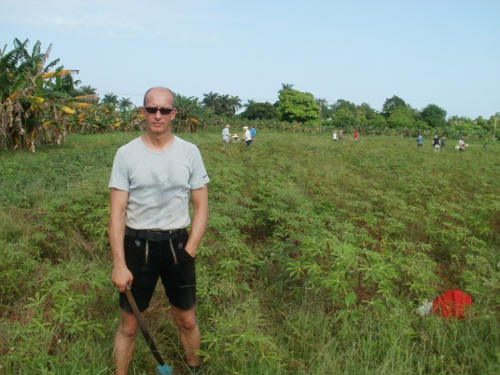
(302, 107)
(41, 102)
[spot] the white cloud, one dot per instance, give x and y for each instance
(78, 16)
(111, 14)
(61, 21)
(184, 20)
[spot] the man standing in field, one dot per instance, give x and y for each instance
(435, 143)
(151, 182)
(246, 136)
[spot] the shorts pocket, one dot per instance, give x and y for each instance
(185, 255)
(181, 248)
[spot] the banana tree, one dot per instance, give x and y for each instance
(130, 119)
(190, 114)
(58, 103)
(13, 65)
(19, 101)
(35, 97)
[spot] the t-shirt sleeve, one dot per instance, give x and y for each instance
(119, 174)
(199, 176)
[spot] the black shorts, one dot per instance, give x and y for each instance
(148, 260)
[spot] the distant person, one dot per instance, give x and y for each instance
(246, 136)
(334, 135)
(484, 146)
(252, 132)
(443, 142)
(225, 135)
(435, 143)
(461, 144)
(356, 134)
(419, 140)
(341, 134)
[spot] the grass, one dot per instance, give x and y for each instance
(315, 257)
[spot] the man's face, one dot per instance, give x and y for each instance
(156, 123)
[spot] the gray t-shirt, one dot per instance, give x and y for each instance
(159, 183)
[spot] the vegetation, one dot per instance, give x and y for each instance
(41, 104)
(35, 97)
(315, 258)
(221, 105)
(259, 111)
(294, 105)
(190, 114)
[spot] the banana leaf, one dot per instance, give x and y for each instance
(65, 109)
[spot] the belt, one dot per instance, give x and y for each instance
(155, 235)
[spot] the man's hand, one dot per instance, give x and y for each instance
(122, 277)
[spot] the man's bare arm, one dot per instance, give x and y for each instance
(200, 217)
(121, 275)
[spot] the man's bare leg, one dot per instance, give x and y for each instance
(189, 333)
(125, 342)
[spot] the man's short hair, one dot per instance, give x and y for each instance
(162, 88)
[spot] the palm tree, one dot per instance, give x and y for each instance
(235, 103)
(249, 103)
(110, 101)
(125, 103)
(210, 100)
(88, 90)
(224, 105)
(286, 86)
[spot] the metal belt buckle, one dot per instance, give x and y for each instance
(151, 235)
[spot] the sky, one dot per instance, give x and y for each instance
(443, 52)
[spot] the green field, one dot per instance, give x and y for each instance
(315, 258)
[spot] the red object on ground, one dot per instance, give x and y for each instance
(452, 304)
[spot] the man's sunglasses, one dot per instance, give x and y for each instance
(163, 111)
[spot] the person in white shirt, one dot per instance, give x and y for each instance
(246, 136)
(461, 144)
(225, 135)
(152, 181)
